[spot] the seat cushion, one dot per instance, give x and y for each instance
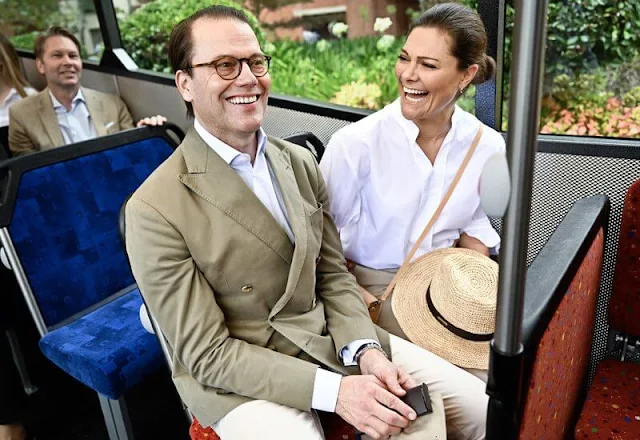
(108, 349)
(612, 407)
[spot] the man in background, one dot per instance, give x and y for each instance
(65, 112)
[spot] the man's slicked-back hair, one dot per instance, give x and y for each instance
(54, 31)
(181, 41)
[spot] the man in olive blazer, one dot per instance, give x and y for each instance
(236, 255)
(34, 124)
(225, 282)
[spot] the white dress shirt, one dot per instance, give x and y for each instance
(76, 124)
(383, 189)
(260, 179)
(12, 97)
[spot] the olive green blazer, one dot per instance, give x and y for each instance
(247, 314)
(33, 123)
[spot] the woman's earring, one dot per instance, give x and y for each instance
(461, 90)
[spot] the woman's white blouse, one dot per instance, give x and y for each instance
(383, 189)
(9, 100)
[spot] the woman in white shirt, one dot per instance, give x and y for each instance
(13, 85)
(387, 173)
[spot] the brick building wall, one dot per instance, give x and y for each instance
(358, 14)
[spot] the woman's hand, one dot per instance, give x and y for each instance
(468, 242)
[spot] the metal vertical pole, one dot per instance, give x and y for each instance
(524, 114)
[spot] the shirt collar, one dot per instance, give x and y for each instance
(57, 104)
(411, 130)
(226, 152)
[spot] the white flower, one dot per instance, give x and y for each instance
(385, 42)
(382, 24)
(339, 29)
(322, 45)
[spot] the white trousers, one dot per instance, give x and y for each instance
(464, 398)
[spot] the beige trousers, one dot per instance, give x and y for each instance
(463, 397)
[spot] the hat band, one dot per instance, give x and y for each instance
(476, 337)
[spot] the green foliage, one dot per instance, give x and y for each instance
(25, 41)
(582, 91)
(24, 16)
(583, 35)
(632, 98)
(624, 76)
(146, 32)
(320, 70)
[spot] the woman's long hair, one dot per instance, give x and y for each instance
(10, 72)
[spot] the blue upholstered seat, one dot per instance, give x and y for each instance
(108, 349)
(65, 232)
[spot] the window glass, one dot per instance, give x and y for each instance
(591, 84)
(330, 50)
(22, 20)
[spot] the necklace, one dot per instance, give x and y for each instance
(435, 138)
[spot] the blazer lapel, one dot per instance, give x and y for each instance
(94, 105)
(50, 119)
(280, 162)
(215, 181)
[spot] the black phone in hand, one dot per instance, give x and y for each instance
(418, 399)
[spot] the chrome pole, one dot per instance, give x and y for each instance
(504, 384)
(524, 124)
(23, 282)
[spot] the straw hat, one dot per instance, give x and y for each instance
(462, 286)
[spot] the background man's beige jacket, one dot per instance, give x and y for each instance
(247, 314)
(33, 123)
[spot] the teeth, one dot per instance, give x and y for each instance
(243, 99)
(414, 91)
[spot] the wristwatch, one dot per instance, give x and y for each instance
(366, 347)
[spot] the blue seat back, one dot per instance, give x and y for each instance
(65, 225)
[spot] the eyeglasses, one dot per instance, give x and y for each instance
(228, 67)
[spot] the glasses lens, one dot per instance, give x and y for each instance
(259, 65)
(227, 67)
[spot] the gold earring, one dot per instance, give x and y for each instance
(461, 90)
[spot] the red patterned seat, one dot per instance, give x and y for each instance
(560, 366)
(197, 432)
(612, 408)
(334, 427)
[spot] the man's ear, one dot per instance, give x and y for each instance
(40, 66)
(184, 83)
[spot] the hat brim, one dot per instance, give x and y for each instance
(409, 304)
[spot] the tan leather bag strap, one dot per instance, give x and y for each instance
(434, 217)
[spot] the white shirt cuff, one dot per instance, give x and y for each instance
(325, 390)
(348, 353)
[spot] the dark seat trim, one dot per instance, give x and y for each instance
(11, 170)
(553, 269)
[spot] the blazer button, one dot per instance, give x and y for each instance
(271, 347)
(247, 288)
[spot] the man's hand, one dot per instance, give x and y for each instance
(152, 121)
(365, 404)
(394, 379)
